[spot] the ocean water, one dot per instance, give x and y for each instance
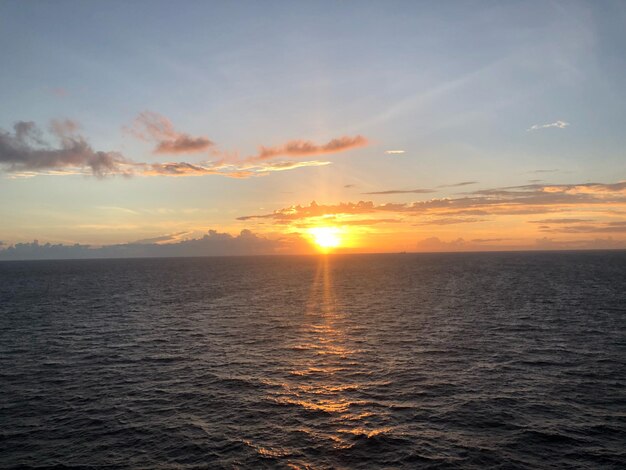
(502, 360)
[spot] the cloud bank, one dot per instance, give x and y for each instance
(213, 243)
(516, 200)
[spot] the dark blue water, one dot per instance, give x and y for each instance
(394, 361)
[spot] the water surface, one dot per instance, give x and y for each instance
(509, 360)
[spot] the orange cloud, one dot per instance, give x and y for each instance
(150, 126)
(315, 210)
(518, 200)
(302, 148)
(231, 170)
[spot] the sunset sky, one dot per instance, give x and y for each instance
(392, 126)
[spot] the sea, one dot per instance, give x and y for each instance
(463, 360)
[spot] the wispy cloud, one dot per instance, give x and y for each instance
(161, 239)
(394, 152)
(232, 170)
(557, 124)
(402, 191)
(450, 221)
(516, 200)
(454, 185)
(151, 126)
(606, 227)
(304, 148)
(558, 221)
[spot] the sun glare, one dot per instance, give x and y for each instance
(326, 237)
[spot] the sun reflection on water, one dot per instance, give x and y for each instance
(325, 378)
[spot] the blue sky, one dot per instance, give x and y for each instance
(456, 85)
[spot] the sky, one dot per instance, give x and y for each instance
(239, 127)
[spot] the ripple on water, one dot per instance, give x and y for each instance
(509, 360)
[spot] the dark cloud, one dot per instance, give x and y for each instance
(25, 150)
(212, 243)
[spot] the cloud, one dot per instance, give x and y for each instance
(401, 191)
(593, 244)
(315, 210)
(462, 183)
(608, 227)
(394, 152)
(435, 244)
(212, 243)
(450, 221)
(340, 222)
(150, 126)
(232, 170)
(557, 124)
(25, 150)
(558, 221)
(162, 239)
(489, 240)
(421, 190)
(514, 200)
(303, 148)
(349, 186)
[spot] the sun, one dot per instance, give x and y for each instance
(326, 237)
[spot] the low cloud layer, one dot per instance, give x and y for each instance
(212, 243)
(516, 200)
